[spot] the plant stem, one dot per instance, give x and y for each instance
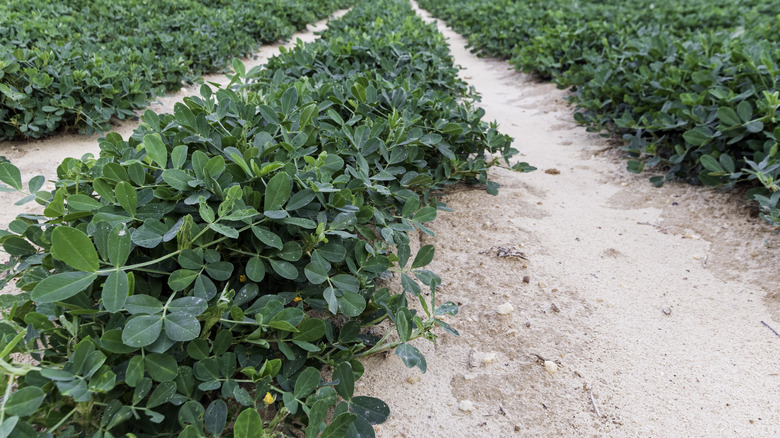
(61, 422)
(5, 397)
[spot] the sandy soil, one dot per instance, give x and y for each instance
(649, 300)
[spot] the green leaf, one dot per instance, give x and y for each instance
(452, 129)
(224, 230)
(277, 192)
(72, 246)
(316, 273)
(220, 271)
(115, 291)
(161, 367)
(181, 327)
(7, 426)
(161, 394)
(238, 67)
(728, 116)
(119, 245)
(10, 175)
(403, 324)
(127, 197)
(267, 237)
(103, 381)
(181, 279)
(249, 424)
(754, 126)
(60, 287)
(24, 402)
(178, 179)
(710, 163)
(745, 111)
(112, 342)
(135, 371)
(156, 149)
(142, 330)
(426, 214)
(698, 136)
(289, 100)
(82, 202)
(411, 357)
(424, 257)
(307, 382)
(371, 409)
(352, 304)
(284, 269)
(300, 199)
(346, 380)
(192, 306)
(255, 269)
(179, 156)
(310, 330)
(148, 235)
(143, 304)
(727, 162)
(18, 247)
(339, 426)
(216, 417)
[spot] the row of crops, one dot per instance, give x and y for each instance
(691, 86)
(75, 64)
(220, 272)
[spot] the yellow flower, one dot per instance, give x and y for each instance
(297, 299)
(242, 278)
(268, 399)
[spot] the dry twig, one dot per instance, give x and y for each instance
(593, 401)
(770, 328)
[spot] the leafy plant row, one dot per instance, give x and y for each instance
(222, 271)
(75, 64)
(691, 86)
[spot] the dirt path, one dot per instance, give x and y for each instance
(649, 299)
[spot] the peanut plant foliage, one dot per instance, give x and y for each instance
(75, 64)
(217, 273)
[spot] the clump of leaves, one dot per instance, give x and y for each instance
(197, 278)
(66, 65)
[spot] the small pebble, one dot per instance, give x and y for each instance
(542, 284)
(466, 406)
(414, 379)
(551, 367)
(526, 279)
(489, 358)
(505, 309)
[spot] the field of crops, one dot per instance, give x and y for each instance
(214, 262)
(691, 86)
(73, 65)
(225, 269)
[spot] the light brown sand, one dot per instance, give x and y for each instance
(610, 252)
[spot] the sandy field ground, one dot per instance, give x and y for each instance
(649, 302)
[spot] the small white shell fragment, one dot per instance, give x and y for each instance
(505, 309)
(469, 376)
(551, 367)
(489, 358)
(414, 379)
(466, 406)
